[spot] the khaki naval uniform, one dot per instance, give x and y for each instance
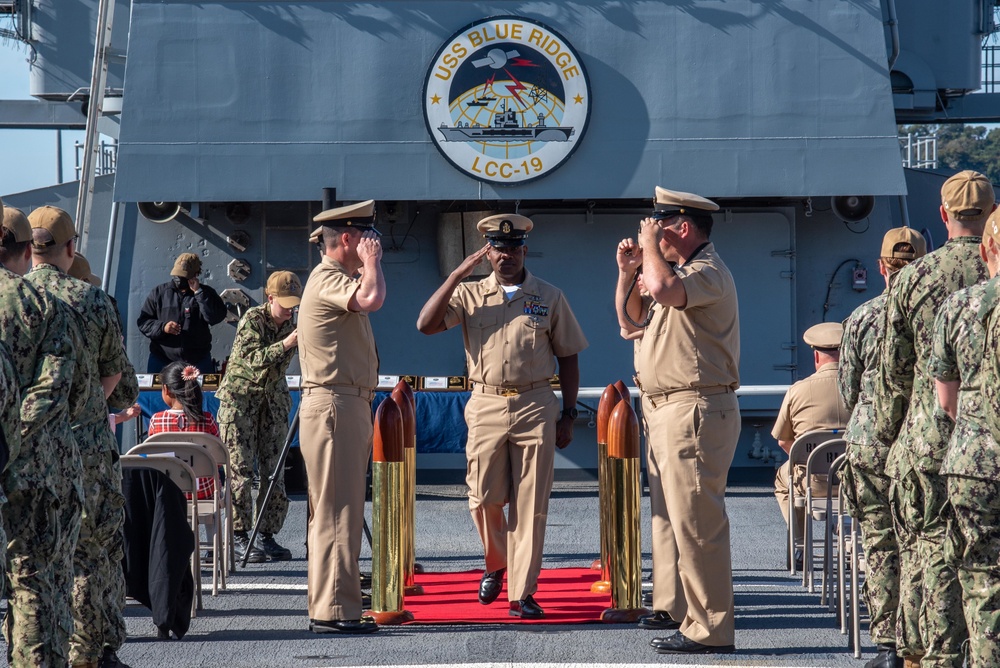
(511, 344)
(339, 369)
(688, 369)
(810, 404)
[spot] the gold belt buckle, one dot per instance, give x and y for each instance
(509, 392)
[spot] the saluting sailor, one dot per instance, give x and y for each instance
(516, 329)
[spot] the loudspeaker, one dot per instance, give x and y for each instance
(852, 208)
(160, 212)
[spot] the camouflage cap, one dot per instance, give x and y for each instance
(505, 229)
(187, 265)
(903, 235)
(285, 287)
(360, 216)
(968, 196)
(56, 222)
(15, 221)
(680, 203)
(825, 335)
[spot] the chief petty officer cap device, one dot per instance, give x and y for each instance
(505, 230)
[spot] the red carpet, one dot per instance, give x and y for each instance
(451, 598)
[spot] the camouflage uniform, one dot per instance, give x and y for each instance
(98, 575)
(42, 482)
(930, 621)
(865, 484)
(971, 467)
(253, 414)
(10, 431)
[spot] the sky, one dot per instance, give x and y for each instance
(29, 156)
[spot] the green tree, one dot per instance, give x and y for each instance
(962, 146)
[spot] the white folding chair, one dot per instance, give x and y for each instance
(204, 466)
(186, 480)
(817, 464)
(218, 450)
(798, 455)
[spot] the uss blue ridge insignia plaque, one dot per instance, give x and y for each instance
(506, 100)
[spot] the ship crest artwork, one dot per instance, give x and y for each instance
(506, 100)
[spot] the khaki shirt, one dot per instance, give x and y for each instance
(514, 342)
(810, 404)
(336, 345)
(697, 346)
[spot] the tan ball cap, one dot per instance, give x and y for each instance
(903, 235)
(56, 222)
(675, 201)
(968, 196)
(825, 335)
(15, 221)
(81, 269)
(992, 228)
(360, 216)
(187, 265)
(505, 230)
(285, 287)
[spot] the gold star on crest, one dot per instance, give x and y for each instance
(435, 99)
(578, 99)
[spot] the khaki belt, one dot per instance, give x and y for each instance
(349, 390)
(676, 395)
(509, 390)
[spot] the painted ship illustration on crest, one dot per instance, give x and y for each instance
(505, 128)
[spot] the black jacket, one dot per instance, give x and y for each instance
(158, 547)
(195, 313)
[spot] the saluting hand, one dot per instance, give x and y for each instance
(370, 247)
(650, 233)
(465, 269)
(629, 256)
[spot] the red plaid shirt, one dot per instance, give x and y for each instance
(175, 420)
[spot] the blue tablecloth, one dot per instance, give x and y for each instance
(440, 416)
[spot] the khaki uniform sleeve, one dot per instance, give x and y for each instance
(338, 290)
(783, 424)
(567, 337)
(702, 284)
(456, 312)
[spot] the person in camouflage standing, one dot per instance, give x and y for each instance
(123, 397)
(865, 482)
(930, 623)
(42, 482)
(253, 412)
(101, 360)
(971, 466)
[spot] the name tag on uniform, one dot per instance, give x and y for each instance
(535, 308)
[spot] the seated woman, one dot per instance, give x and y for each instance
(181, 391)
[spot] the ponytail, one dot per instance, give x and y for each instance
(181, 379)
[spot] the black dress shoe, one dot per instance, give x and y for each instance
(658, 621)
(681, 644)
(526, 609)
(886, 658)
(347, 626)
(490, 586)
(272, 550)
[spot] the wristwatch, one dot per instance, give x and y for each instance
(572, 412)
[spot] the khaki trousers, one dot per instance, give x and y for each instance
(335, 435)
(511, 453)
(690, 440)
(781, 485)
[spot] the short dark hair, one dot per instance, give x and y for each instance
(701, 221)
(9, 248)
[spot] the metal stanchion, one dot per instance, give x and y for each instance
(609, 399)
(403, 396)
(387, 516)
(623, 474)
